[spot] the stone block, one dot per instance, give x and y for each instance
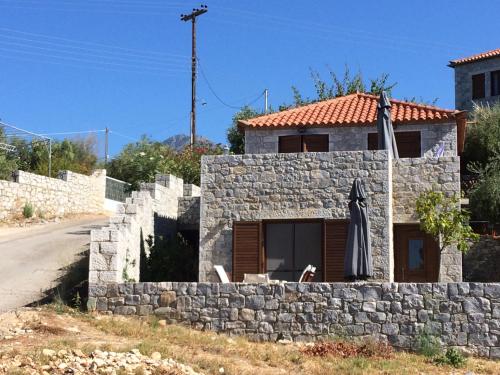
(168, 299)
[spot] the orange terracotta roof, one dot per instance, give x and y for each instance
(351, 110)
(473, 58)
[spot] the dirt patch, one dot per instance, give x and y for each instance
(343, 349)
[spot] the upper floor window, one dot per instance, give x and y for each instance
(408, 143)
(303, 143)
(478, 86)
(495, 83)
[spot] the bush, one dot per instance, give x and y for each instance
(452, 357)
(172, 258)
(427, 344)
(28, 210)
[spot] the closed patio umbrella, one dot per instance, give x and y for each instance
(386, 139)
(358, 263)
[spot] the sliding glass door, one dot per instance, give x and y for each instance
(291, 246)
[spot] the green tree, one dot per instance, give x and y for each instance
(482, 143)
(235, 137)
(340, 86)
(142, 161)
(484, 198)
(442, 218)
(482, 157)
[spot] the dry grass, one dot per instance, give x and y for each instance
(208, 352)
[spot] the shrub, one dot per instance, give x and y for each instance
(452, 357)
(427, 344)
(28, 210)
(171, 258)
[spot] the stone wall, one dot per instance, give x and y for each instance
(189, 213)
(410, 178)
(69, 193)
(115, 249)
(463, 83)
(290, 186)
(153, 211)
(263, 141)
(413, 176)
(464, 315)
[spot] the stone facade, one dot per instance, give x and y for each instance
(290, 186)
(463, 83)
(410, 178)
(413, 176)
(68, 194)
(265, 141)
(153, 211)
(463, 315)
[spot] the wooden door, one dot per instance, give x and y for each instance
(416, 255)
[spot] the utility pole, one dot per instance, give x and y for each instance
(192, 17)
(106, 143)
(266, 101)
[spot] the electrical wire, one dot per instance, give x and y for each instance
(218, 97)
(140, 52)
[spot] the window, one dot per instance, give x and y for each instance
(478, 87)
(495, 83)
(408, 143)
(303, 143)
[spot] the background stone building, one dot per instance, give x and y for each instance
(477, 79)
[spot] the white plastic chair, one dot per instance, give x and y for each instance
(222, 274)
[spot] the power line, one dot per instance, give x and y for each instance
(77, 132)
(219, 98)
(139, 52)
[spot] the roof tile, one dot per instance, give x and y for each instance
(351, 110)
(477, 57)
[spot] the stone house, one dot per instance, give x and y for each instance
(283, 204)
(477, 79)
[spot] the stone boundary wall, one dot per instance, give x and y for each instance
(70, 193)
(290, 186)
(115, 249)
(413, 176)
(464, 315)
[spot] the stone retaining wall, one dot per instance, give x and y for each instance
(466, 315)
(70, 193)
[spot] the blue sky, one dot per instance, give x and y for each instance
(72, 65)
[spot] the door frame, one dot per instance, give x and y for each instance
(432, 256)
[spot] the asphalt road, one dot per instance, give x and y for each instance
(31, 258)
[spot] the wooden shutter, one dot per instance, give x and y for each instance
(315, 143)
(372, 141)
(247, 249)
(409, 143)
(478, 86)
(335, 232)
(290, 143)
(495, 83)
